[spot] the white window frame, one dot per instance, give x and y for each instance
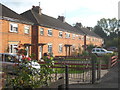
(60, 49)
(12, 48)
(73, 36)
(73, 48)
(82, 37)
(41, 31)
(50, 33)
(67, 35)
(79, 37)
(60, 34)
(26, 29)
(50, 46)
(14, 27)
(27, 49)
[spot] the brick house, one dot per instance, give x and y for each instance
(51, 35)
(39, 33)
(15, 31)
(89, 36)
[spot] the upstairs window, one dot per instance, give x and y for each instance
(82, 37)
(60, 34)
(49, 32)
(13, 27)
(67, 35)
(26, 29)
(73, 36)
(41, 31)
(79, 37)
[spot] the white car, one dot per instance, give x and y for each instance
(35, 67)
(100, 51)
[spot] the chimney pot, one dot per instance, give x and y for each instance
(37, 9)
(61, 18)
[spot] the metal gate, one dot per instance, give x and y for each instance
(77, 69)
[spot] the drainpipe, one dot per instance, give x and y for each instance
(85, 42)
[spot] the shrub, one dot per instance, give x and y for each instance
(26, 78)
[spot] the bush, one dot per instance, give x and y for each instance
(25, 77)
(106, 59)
(85, 53)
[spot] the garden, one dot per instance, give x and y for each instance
(51, 69)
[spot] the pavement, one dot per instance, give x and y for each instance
(109, 80)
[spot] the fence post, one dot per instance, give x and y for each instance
(93, 58)
(66, 77)
(99, 70)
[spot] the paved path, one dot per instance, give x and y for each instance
(110, 80)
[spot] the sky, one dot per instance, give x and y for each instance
(87, 12)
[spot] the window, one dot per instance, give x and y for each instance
(13, 27)
(73, 48)
(67, 35)
(73, 36)
(97, 50)
(26, 29)
(49, 48)
(41, 31)
(79, 37)
(102, 51)
(50, 32)
(12, 48)
(60, 34)
(82, 37)
(60, 48)
(27, 49)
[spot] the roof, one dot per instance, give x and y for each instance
(47, 21)
(10, 15)
(86, 31)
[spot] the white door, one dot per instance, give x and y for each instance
(40, 53)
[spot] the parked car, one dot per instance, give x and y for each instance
(8, 61)
(100, 51)
(115, 49)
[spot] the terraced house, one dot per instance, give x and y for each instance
(15, 31)
(44, 35)
(56, 36)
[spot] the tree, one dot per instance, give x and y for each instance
(108, 25)
(108, 30)
(99, 31)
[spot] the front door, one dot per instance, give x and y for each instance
(41, 51)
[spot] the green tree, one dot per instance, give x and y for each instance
(108, 25)
(99, 31)
(108, 30)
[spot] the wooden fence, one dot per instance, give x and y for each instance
(78, 71)
(81, 71)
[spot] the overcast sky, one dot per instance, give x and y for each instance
(88, 12)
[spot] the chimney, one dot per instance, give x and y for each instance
(61, 18)
(79, 25)
(37, 9)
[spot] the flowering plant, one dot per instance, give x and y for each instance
(26, 78)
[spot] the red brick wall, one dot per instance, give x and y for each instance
(10, 36)
(55, 40)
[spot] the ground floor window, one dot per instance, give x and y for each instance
(60, 48)
(27, 49)
(12, 48)
(49, 48)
